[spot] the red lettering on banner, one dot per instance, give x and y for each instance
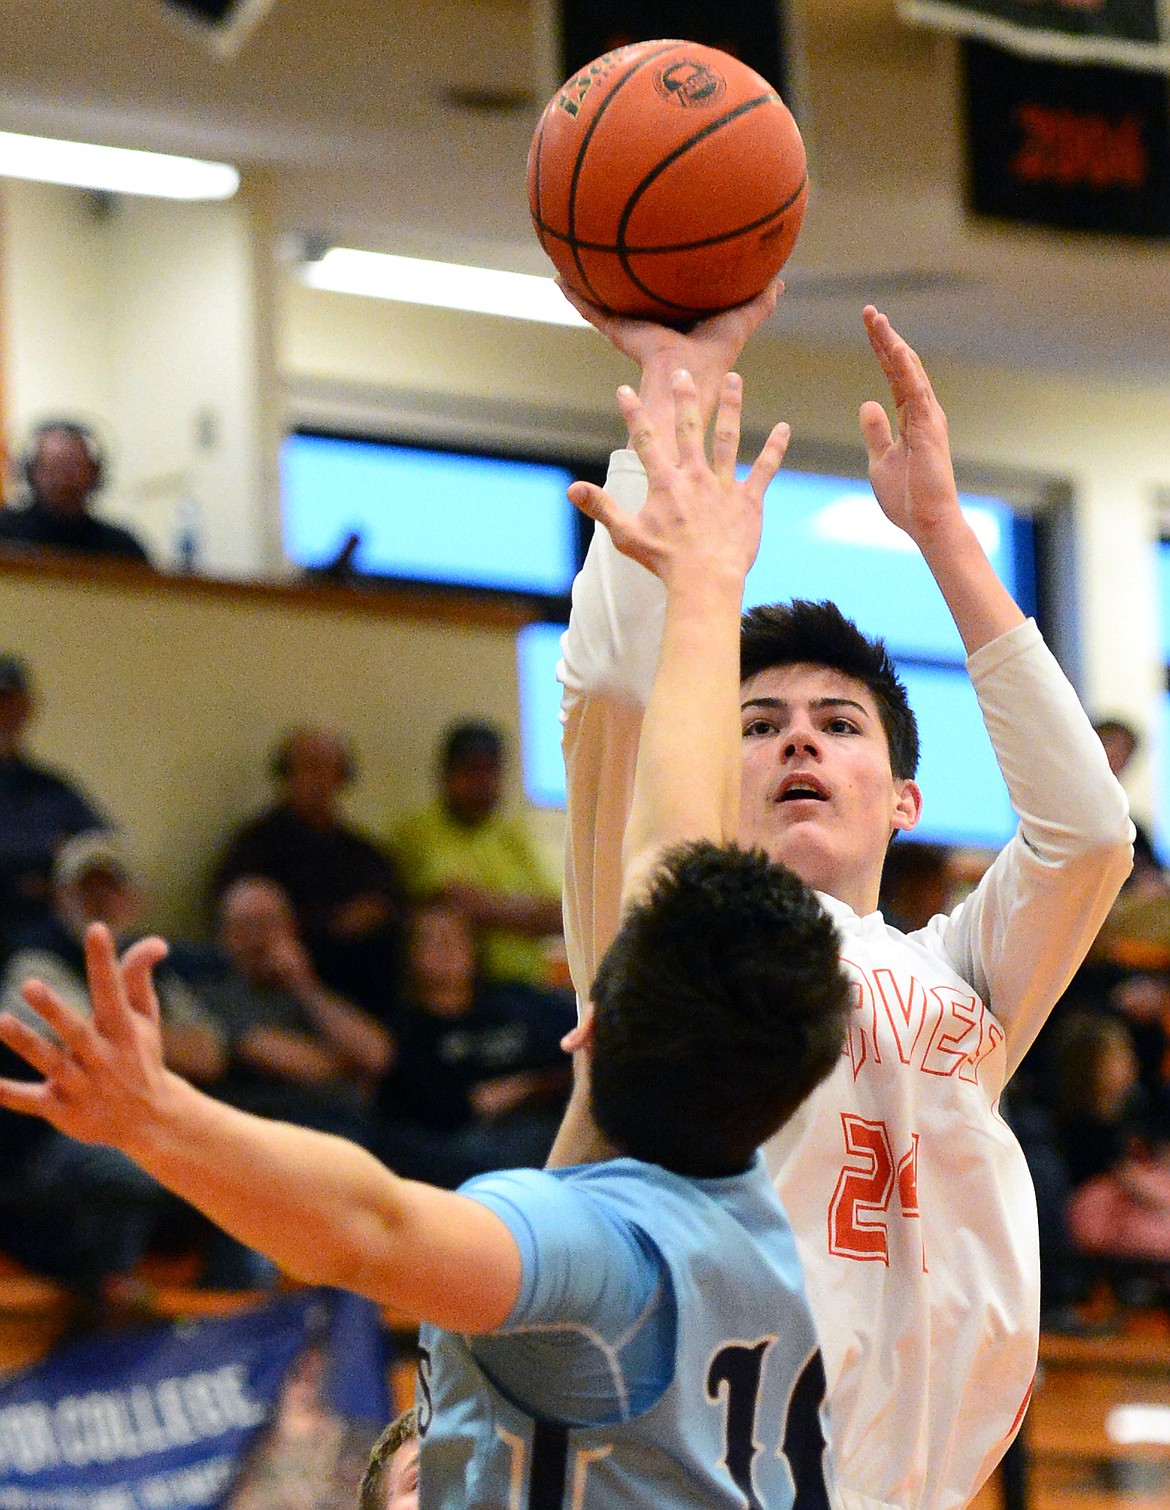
(1068, 149)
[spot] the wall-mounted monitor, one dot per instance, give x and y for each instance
(427, 515)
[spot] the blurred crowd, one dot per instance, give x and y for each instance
(400, 990)
(1090, 1103)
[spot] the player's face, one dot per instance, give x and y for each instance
(402, 1479)
(817, 792)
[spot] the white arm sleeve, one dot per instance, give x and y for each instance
(609, 654)
(1022, 933)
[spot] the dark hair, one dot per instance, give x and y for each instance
(402, 1429)
(80, 432)
(1111, 724)
(471, 738)
(783, 634)
(719, 1005)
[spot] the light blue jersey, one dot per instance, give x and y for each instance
(661, 1353)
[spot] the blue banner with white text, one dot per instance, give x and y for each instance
(152, 1418)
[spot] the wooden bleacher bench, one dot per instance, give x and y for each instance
(1081, 1379)
(34, 1314)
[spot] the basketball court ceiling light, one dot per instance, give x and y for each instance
(114, 170)
(442, 285)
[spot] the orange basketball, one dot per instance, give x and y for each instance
(667, 180)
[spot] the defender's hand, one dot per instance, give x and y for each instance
(697, 518)
(102, 1075)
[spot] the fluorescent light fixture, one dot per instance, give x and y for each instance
(444, 285)
(1130, 1425)
(115, 170)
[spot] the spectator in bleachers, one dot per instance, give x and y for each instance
(1142, 1000)
(1120, 742)
(93, 882)
(74, 1211)
(463, 847)
(39, 809)
(297, 1049)
(63, 471)
(1117, 1155)
(344, 890)
(479, 1081)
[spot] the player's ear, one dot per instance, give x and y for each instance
(908, 808)
(580, 1037)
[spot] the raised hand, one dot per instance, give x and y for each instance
(697, 517)
(100, 1075)
(708, 349)
(912, 475)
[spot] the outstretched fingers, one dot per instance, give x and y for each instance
(644, 438)
(107, 991)
(767, 463)
(688, 420)
(73, 1031)
(725, 441)
(138, 966)
(898, 360)
(28, 1096)
(620, 525)
(876, 430)
(36, 1051)
(64, 1066)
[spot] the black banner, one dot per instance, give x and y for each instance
(1128, 33)
(748, 29)
(1086, 148)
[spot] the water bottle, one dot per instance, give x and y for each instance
(187, 544)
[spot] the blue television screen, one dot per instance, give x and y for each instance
(429, 515)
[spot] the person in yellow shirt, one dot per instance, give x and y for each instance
(464, 848)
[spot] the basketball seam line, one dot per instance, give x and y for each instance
(621, 248)
(684, 147)
(623, 253)
(586, 139)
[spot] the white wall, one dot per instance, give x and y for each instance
(144, 320)
(56, 307)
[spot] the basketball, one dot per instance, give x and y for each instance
(667, 180)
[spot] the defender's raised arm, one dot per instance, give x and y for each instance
(698, 532)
